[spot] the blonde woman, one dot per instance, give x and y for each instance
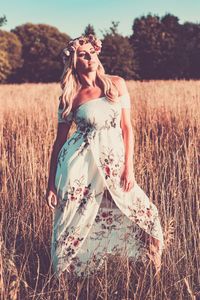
(97, 160)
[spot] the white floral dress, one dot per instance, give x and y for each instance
(88, 225)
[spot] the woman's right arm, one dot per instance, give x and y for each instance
(62, 134)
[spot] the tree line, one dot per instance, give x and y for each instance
(158, 48)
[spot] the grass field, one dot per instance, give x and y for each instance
(166, 119)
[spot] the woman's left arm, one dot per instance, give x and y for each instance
(127, 177)
(127, 133)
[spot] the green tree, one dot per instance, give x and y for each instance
(89, 30)
(117, 55)
(41, 49)
(145, 41)
(11, 51)
(5, 67)
(3, 20)
(190, 38)
(172, 58)
(157, 45)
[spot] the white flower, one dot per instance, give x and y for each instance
(67, 52)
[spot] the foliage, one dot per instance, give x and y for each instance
(11, 49)
(89, 30)
(190, 37)
(3, 20)
(41, 47)
(166, 49)
(155, 42)
(117, 55)
(5, 67)
(159, 48)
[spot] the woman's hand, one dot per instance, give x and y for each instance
(51, 197)
(127, 180)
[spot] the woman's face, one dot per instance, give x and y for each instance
(87, 59)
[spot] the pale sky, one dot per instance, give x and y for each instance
(72, 16)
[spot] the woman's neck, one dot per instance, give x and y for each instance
(89, 81)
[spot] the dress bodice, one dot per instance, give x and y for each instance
(97, 113)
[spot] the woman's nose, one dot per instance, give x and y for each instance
(88, 56)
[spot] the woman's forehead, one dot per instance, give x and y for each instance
(87, 47)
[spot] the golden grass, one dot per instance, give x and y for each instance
(165, 118)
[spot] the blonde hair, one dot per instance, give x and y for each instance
(70, 83)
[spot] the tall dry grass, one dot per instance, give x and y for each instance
(165, 117)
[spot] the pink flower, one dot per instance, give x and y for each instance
(91, 37)
(72, 267)
(81, 41)
(140, 212)
(104, 214)
(96, 47)
(109, 221)
(98, 43)
(76, 242)
(107, 170)
(149, 212)
(86, 191)
(72, 198)
(114, 173)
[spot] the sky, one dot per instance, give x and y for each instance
(72, 16)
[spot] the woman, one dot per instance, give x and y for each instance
(97, 159)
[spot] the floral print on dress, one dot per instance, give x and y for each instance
(112, 165)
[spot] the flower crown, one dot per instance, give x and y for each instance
(75, 43)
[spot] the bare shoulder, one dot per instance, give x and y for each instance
(120, 83)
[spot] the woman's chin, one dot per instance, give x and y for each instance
(92, 67)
